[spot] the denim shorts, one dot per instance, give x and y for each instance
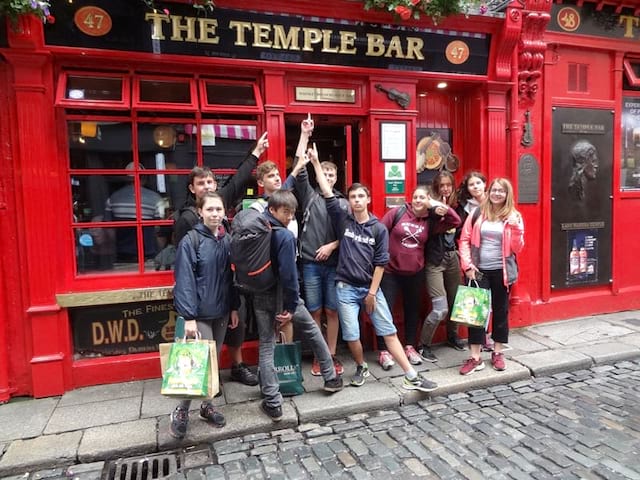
(319, 286)
(351, 301)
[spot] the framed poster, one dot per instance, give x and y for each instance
(581, 192)
(393, 141)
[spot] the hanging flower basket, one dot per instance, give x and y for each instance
(14, 9)
(436, 9)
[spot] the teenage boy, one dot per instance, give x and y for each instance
(318, 246)
(202, 180)
(283, 304)
(363, 254)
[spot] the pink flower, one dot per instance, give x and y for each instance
(483, 8)
(166, 11)
(50, 19)
(415, 2)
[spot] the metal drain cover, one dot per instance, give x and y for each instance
(147, 467)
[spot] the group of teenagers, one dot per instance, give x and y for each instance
(350, 260)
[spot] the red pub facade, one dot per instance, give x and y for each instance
(114, 99)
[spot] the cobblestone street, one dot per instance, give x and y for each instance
(584, 424)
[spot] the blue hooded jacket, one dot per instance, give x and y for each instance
(204, 282)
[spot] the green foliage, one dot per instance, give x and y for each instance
(14, 8)
(436, 9)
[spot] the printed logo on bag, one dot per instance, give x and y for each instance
(285, 369)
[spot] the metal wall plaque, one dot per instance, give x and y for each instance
(528, 179)
(337, 95)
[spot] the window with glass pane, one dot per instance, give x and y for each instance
(226, 145)
(230, 94)
(93, 88)
(164, 91)
(99, 145)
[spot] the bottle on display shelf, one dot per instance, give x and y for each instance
(582, 259)
(574, 260)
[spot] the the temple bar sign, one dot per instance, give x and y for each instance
(227, 33)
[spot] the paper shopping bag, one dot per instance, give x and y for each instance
(189, 369)
(472, 306)
(286, 359)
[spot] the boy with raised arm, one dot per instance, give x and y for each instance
(363, 255)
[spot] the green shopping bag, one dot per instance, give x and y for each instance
(472, 306)
(189, 369)
(286, 359)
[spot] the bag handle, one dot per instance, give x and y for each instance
(197, 338)
(283, 338)
(474, 281)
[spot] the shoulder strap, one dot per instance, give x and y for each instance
(398, 215)
(194, 239)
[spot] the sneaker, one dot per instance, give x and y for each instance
(419, 383)
(471, 365)
(337, 364)
(274, 413)
(315, 368)
(241, 373)
(179, 422)
(456, 343)
(497, 360)
(487, 346)
(385, 360)
(334, 385)
(211, 415)
(362, 372)
(412, 355)
(426, 354)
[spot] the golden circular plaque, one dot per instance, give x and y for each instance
(457, 52)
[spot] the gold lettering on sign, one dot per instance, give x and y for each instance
(629, 22)
(178, 28)
(282, 37)
(288, 40)
(208, 28)
(347, 40)
(240, 28)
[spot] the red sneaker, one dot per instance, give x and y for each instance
(497, 360)
(315, 368)
(471, 365)
(337, 364)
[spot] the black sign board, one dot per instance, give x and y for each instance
(3, 33)
(581, 188)
(226, 33)
(594, 19)
(123, 328)
(528, 179)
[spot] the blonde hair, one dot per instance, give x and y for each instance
(499, 213)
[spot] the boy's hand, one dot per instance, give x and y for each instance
(284, 318)
(261, 146)
(307, 125)
(190, 328)
(234, 318)
(312, 153)
(370, 304)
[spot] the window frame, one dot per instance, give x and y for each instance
(137, 104)
(206, 107)
(62, 101)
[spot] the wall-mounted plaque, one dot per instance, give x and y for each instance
(528, 179)
(336, 95)
(393, 141)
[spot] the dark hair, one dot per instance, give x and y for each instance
(435, 186)
(356, 186)
(463, 190)
(197, 172)
(282, 198)
(208, 194)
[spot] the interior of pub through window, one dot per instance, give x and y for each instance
(132, 141)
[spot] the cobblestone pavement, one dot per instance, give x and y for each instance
(583, 424)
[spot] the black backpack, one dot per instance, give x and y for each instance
(251, 251)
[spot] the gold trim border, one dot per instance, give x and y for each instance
(106, 297)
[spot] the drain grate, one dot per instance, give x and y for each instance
(141, 468)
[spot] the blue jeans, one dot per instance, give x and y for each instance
(350, 300)
(319, 286)
(265, 309)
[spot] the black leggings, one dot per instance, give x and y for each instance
(492, 279)
(410, 286)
